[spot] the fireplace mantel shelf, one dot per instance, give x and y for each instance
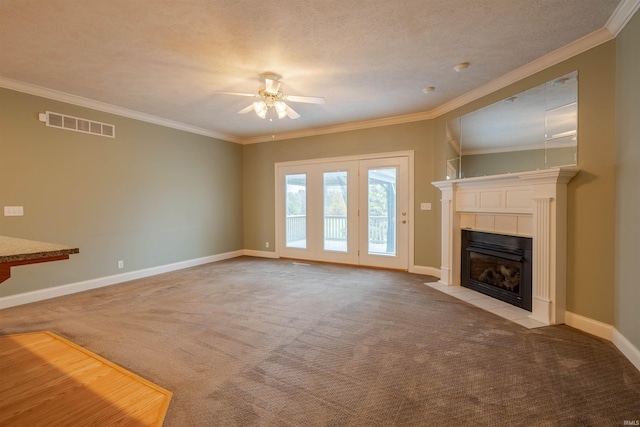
(531, 204)
(559, 175)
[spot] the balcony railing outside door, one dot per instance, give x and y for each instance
(335, 230)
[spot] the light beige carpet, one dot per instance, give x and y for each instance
(258, 342)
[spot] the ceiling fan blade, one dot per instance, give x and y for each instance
(307, 99)
(272, 86)
(246, 110)
(238, 94)
(291, 113)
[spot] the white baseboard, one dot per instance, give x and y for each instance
(261, 254)
(427, 271)
(606, 331)
(71, 288)
(593, 327)
(626, 348)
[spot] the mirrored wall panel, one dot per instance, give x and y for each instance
(535, 129)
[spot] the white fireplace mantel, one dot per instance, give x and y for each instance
(532, 204)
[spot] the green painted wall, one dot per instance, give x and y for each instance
(516, 161)
(155, 195)
(590, 278)
(259, 191)
(507, 162)
(151, 196)
(591, 200)
(627, 290)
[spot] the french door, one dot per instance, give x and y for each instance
(353, 212)
(384, 212)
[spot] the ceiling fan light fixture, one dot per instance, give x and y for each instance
(281, 106)
(281, 109)
(461, 66)
(260, 107)
(270, 96)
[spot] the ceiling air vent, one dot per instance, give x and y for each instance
(62, 121)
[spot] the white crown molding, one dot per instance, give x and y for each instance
(572, 49)
(346, 127)
(44, 92)
(622, 15)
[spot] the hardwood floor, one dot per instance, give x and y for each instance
(47, 380)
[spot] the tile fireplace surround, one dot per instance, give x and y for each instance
(531, 204)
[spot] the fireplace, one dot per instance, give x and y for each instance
(531, 204)
(497, 265)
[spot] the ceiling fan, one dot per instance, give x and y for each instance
(271, 98)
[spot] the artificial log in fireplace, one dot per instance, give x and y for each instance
(497, 265)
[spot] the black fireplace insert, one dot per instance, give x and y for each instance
(497, 265)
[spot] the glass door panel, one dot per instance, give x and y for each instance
(296, 211)
(351, 211)
(317, 212)
(384, 211)
(335, 211)
(381, 211)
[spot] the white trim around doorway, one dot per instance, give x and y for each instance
(410, 158)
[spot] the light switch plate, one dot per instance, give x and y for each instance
(13, 211)
(425, 206)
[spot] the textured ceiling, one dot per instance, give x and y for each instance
(369, 59)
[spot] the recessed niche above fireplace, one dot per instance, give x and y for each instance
(498, 266)
(535, 129)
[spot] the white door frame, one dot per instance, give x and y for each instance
(280, 193)
(402, 216)
(314, 237)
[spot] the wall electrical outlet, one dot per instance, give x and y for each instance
(13, 211)
(120, 264)
(266, 244)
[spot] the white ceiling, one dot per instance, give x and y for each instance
(369, 59)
